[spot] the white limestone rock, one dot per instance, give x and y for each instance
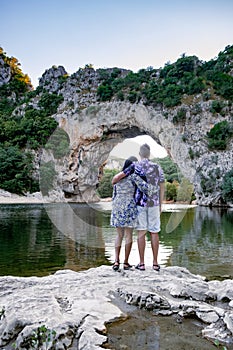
(71, 309)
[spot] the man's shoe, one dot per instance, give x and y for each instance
(156, 267)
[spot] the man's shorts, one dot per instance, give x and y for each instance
(148, 219)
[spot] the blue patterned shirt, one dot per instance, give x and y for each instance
(153, 174)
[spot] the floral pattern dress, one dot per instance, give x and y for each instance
(124, 209)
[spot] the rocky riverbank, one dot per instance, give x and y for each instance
(71, 309)
(12, 198)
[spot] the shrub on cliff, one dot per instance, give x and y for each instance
(219, 135)
(50, 102)
(227, 186)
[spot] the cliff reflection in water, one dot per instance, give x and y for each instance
(203, 242)
(40, 239)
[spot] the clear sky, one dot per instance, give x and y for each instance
(130, 34)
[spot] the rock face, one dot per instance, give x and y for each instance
(68, 310)
(94, 128)
(5, 72)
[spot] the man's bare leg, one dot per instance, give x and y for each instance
(155, 248)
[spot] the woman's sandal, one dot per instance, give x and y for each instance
(140, 267)
(116, 265)
(156, 267)
(127, 266)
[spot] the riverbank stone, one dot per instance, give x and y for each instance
(70, 310)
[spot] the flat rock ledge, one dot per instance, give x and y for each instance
(69, 310)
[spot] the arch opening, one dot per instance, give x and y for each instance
(178, 188)
(130, 147)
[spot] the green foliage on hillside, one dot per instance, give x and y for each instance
(16, 170)
(227, 186)
(219, 135)
(24, 126)
(168, 86)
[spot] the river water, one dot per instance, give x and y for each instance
(37, 240)
(40, 239)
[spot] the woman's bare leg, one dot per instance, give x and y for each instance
(128, 242)
(118, 243)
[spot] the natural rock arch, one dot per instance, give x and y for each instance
(97, 129)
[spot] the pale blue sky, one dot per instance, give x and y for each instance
(130, 34)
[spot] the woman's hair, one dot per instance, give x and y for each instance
(129, 161)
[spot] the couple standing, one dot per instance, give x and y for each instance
(137, 199)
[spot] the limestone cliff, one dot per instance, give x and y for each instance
(95, 127)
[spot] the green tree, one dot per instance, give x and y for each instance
(50, 102)
(37, 127)
(171, 190)
(105, 185)
(16, 170)
(170, 169)
(227, 186)
(132, 97)
(105, 92)
(195, 86)
(219, 135)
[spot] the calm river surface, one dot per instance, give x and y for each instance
(39, 239)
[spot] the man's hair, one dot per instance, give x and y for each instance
(144, 151)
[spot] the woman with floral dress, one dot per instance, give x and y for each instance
(124, 212)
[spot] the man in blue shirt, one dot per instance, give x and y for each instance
(149, 207)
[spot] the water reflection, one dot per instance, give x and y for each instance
(38, 239)
(206, 246)
(30, 243)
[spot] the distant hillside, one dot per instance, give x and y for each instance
(114, 163)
